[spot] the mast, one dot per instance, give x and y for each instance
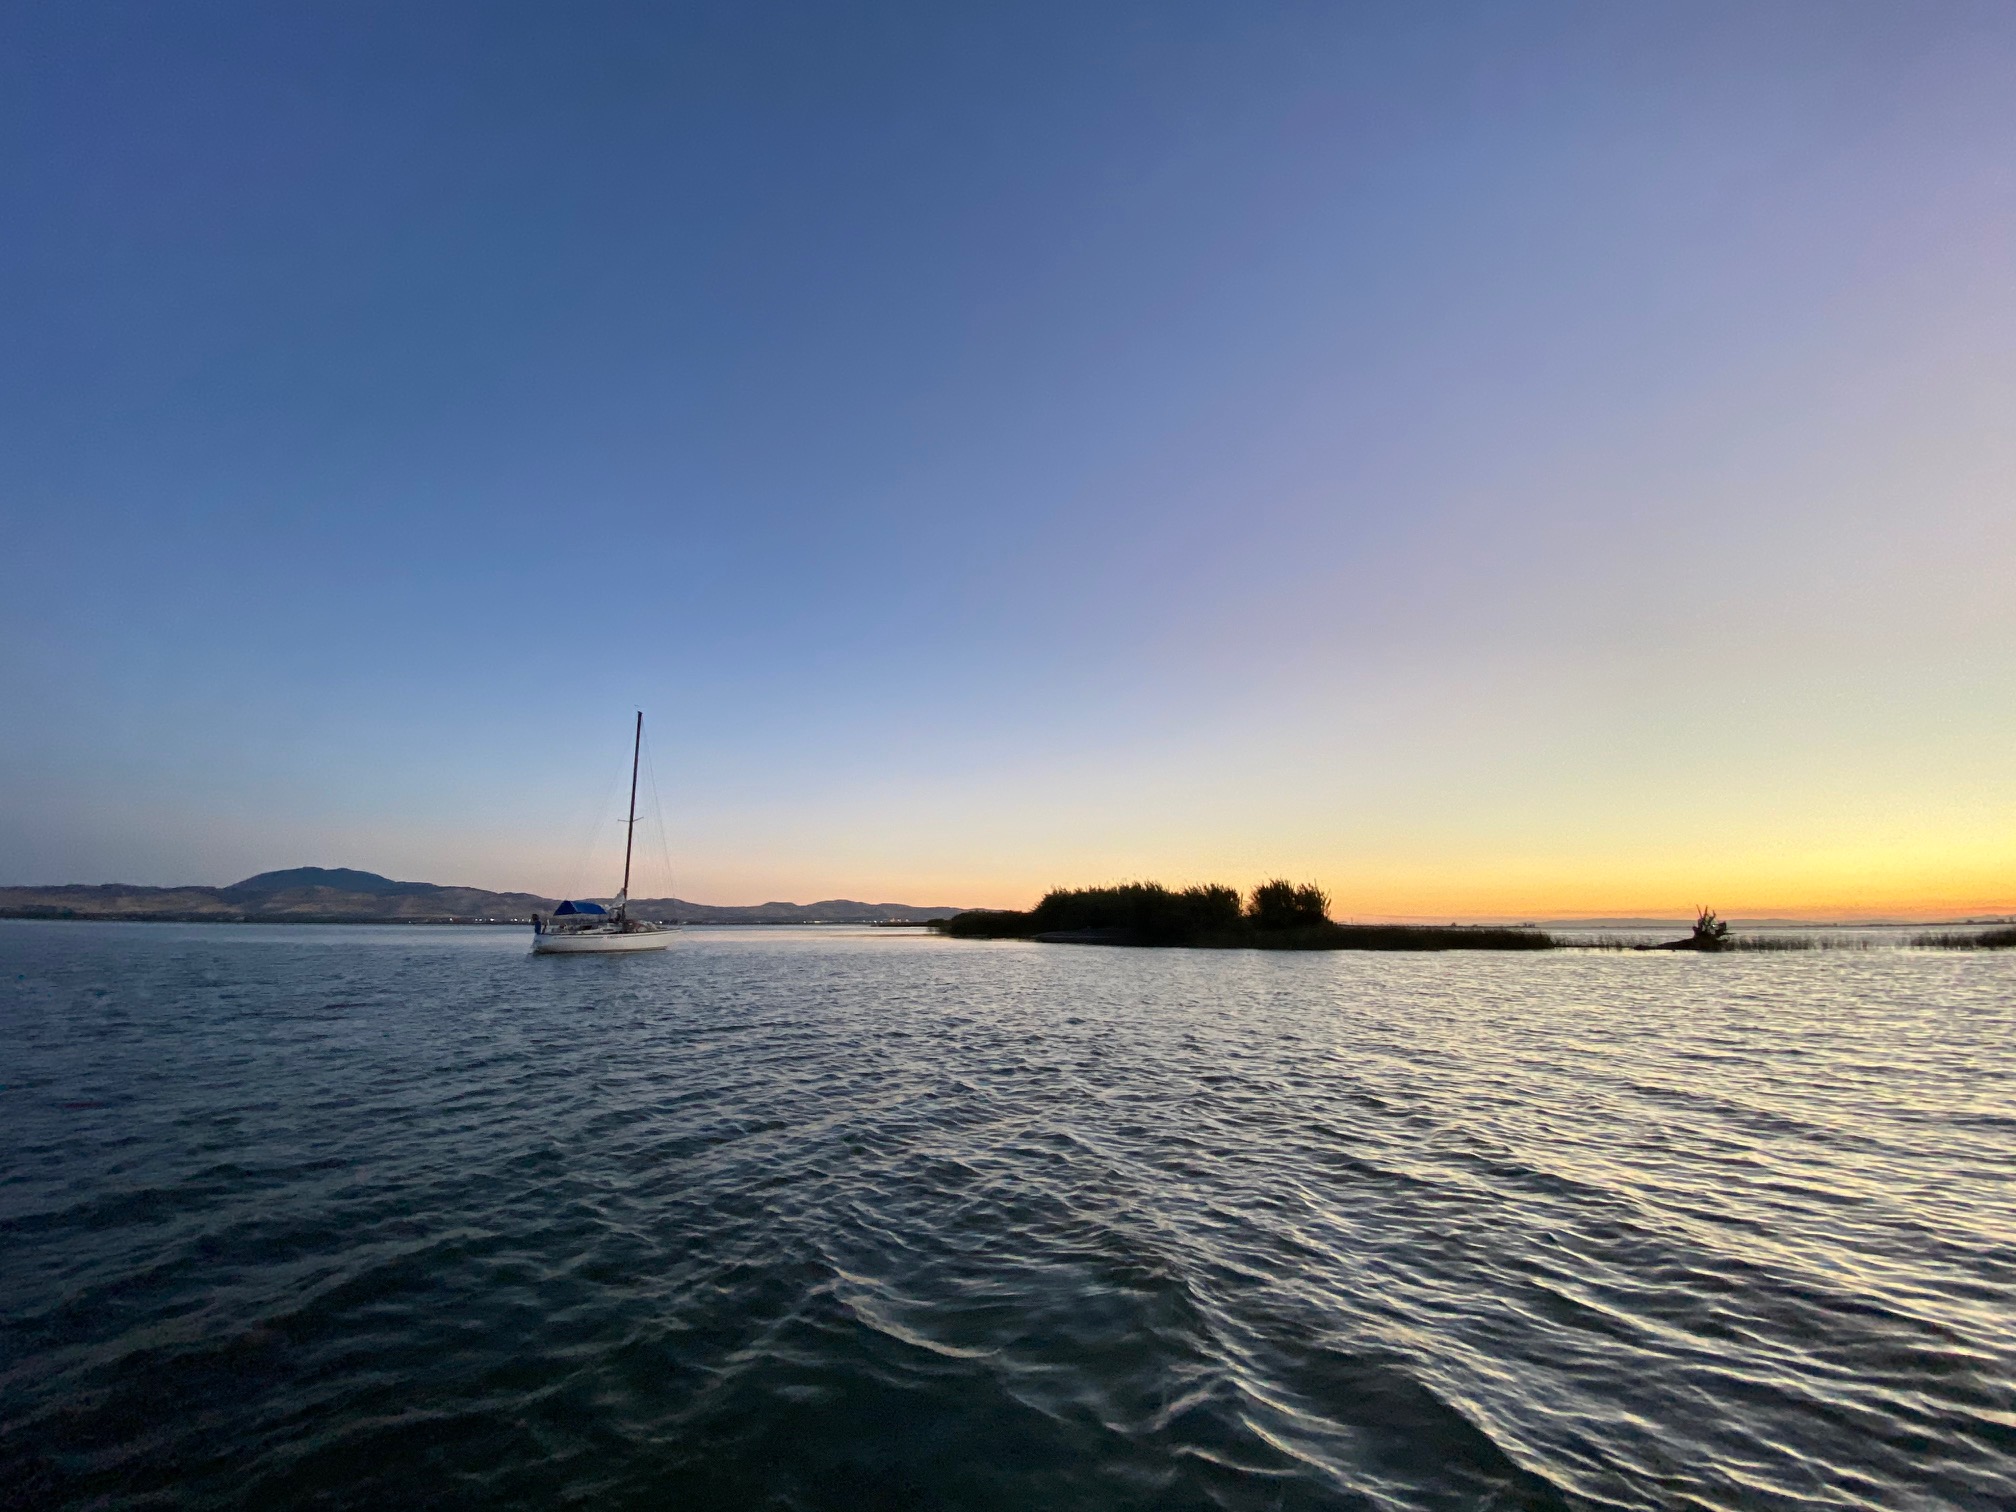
(630, 830)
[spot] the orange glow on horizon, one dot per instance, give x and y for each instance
(1487, 892)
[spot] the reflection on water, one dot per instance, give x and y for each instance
(367, 1218)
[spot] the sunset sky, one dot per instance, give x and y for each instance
(1492, 460)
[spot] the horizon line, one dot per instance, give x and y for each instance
(1947, 910)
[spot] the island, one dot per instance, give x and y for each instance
(1277, 915)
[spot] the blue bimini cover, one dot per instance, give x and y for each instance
(579, 908)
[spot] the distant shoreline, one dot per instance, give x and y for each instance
(339, 895)
(29, 915)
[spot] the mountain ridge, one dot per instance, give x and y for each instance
(341, 895)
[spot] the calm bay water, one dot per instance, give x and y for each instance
(353, 1217)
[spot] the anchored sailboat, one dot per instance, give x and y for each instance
(579, 926)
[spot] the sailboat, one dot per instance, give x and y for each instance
(583, 926)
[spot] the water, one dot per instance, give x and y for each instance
(371, 1218)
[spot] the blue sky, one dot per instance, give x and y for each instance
(1489, 459)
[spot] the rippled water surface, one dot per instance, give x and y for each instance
(408, 1217)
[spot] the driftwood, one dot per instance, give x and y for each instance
(1710, 934)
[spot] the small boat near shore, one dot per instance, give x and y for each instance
(582, 927)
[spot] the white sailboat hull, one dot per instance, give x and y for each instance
(595, 940)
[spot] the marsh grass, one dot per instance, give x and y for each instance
(1978, 939)
(1731, 944)
(1329, 936)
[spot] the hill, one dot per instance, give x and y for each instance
(337, 878)
(339, 895)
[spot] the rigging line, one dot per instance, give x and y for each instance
(658, 808)
(630, 825)
(658, 811)
(578, 871)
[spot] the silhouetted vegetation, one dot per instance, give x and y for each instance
(1396, 937)
(1986, 939)
(1279, 915)
(1147, 912)
(988, 924)
(1280, 904)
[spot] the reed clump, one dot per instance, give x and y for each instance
(1276, 915)
(1979, 939)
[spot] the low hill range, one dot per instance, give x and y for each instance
(338, 895)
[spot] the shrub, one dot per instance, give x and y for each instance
(1280, 916)
(987, 924)
(1145, 911)
(1280, 904)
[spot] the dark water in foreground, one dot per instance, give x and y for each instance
(393, 1218)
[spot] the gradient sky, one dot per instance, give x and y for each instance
(1489, 459)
